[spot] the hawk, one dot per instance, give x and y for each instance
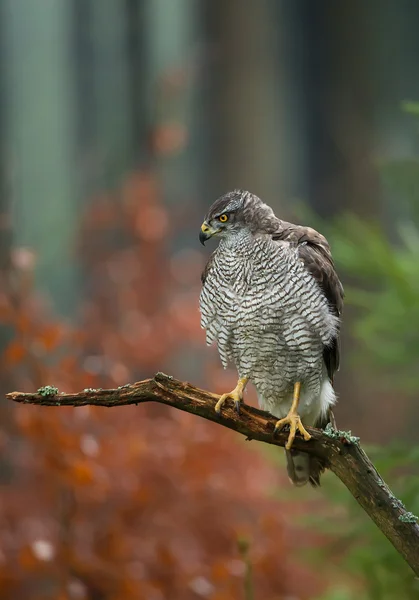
(272, 301)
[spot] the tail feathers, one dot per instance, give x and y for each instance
(304, 468)
(298, 467)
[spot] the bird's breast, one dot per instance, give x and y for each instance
(263, 302)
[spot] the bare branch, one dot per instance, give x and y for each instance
(341, 453)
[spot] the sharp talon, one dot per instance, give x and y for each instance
(236, 395)
(231, 396)
(220, 403)
(295, 424)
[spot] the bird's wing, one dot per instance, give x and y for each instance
(314, 251)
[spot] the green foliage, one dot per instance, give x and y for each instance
(351, 550)
(367, 556)
(380, 267)
(410, 107)
(382, 284)
(339, 593)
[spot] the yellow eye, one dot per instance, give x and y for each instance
(223, 218)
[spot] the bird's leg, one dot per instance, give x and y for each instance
(293, 419)
(236, 395)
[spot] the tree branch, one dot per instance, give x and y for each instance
(340, 451)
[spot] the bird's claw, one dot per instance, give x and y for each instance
(295, 424)
(235, 395)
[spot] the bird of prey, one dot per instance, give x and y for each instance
(272, 301)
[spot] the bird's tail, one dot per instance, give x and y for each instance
(303, 468)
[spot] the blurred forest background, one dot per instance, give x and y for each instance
(121, 121)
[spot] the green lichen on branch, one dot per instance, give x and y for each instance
(408, 518)
(48, 390)
(343, 436)
(162, 375)
(396, 503)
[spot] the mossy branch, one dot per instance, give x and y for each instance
(340, 450)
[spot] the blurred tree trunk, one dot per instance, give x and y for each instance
(171, 46)
(360, 66)
(340, 99)
(5, 217)
(137, 60)
(394, 60)
(6, 329)
(338, 109)
(248, 139)
(39, 104)
(176, 157)
(111, 113)
(395, 51)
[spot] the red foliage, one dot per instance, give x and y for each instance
(129, 503)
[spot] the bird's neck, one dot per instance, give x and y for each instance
(241, 240)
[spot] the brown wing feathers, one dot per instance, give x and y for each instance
(314, 251)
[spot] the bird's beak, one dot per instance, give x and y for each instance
(206, 232)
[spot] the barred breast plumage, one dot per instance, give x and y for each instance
(269, 314)
(268, 317)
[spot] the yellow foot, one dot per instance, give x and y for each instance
(293, 420)
(236, 395)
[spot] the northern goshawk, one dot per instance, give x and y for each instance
(272, 301)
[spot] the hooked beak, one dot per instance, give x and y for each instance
(206, 232)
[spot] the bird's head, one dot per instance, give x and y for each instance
(235, 212)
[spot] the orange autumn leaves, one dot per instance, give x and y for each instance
(133, 503)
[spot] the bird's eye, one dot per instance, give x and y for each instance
(223, 218)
